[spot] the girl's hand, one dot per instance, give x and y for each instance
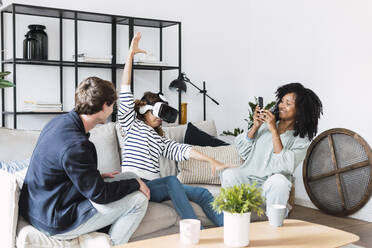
(110, 174)
(134, 45)
(216, 165)
(269, 118)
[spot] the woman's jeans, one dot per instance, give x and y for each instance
(170, 188)
(123, 215)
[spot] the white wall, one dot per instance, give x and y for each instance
(248, 48)
(326, 45)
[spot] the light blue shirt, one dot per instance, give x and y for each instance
(260, 161)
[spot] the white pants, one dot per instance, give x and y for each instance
(275, 189)
(123, 215)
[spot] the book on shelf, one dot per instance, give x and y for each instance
(32, 106)
(82, 57)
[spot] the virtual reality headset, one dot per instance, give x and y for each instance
(161, 110)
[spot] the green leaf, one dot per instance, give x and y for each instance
(4, 74)
(270, 105)
(5, 83)
(239, 199)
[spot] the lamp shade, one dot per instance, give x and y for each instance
(178, 84)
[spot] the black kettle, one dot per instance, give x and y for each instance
(35, 45)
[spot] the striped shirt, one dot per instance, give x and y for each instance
(142, 144)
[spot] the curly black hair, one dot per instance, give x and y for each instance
(308, 109)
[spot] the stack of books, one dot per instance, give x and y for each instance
(82, 57)
(32, 106)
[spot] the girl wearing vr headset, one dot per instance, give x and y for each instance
(145, 143)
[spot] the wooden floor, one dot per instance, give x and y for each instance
(361, 228)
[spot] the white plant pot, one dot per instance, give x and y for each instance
(236, 229)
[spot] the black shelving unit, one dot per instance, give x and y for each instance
(61, 14)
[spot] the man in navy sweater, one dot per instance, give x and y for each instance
(64, 195)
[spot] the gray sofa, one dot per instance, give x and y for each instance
(161, 218)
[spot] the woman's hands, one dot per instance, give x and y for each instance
(269, 118)
(257, 121)
(263, 115)
(134, 49)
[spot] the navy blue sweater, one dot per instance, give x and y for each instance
(63, 177)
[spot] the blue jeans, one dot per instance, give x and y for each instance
(123, 215)
(170, 188)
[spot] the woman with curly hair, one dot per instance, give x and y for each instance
(144, 143)
(276, 143)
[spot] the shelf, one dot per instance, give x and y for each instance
(151, 67)
(20, 61)
(86, 16)
(34, 113)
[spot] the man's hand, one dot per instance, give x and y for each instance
(110, 174)
(134, 45)
(143, 188)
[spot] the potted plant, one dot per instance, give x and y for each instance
(4, 83)
(237, 203)
(252, 108)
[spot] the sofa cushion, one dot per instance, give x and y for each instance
(14, 166)
(29, 237)
(158, 216)
(9, 192)
(21, 141)
(177, 133)
(197, 137)
(105, 140)
(194, 171)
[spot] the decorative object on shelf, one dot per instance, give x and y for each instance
(179, 84)
(5, 83)
(35, 45)
(252, 108)
(183, 113)
(237, 203)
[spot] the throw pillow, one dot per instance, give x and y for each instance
(105, 140)
(195, 136)
(14, 166)
(194, 171)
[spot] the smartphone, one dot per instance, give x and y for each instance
(260, 102)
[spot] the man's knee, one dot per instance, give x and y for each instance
(140, 200)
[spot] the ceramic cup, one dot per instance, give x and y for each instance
(189, 231)
(276, 214)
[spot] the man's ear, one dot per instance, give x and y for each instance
(104, 106)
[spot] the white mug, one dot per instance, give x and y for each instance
(189, 231)
(276, 214)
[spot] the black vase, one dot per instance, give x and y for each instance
(35, 46)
